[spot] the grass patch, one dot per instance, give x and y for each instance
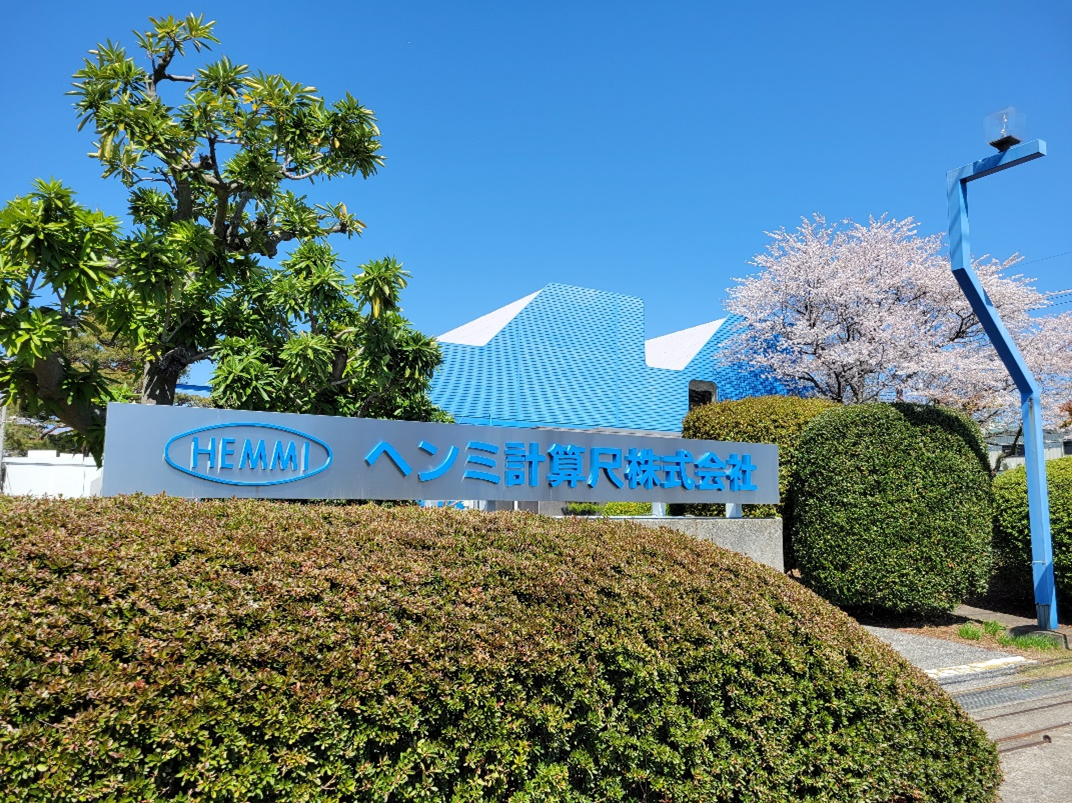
(1030, 642)
(994, 635)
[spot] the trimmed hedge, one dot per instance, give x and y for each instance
(627, 509)
(1012, 529)
(892, 507)
(759, 419)
(163, 649)
(585, 508)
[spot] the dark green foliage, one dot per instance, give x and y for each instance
(759, 419)
(584, 509)
(163, 649)
(892, 507)
(1012, 529)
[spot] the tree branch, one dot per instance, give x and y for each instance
(49, 375)
(338, 366)
(219, 225)
(374, 397)
(236, 218)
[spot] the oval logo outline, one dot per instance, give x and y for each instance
(246, 483)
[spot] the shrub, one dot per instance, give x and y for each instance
(1012, 530)
(760, 419)
(627, 509)
(584, 509)
(892, 507)
(163, 649)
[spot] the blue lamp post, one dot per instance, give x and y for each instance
(1011, 153)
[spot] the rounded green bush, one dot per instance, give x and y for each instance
(757, 419)
(164, 649)
(627, 509)
(584, 508)
(892, 507)
(1012, 529)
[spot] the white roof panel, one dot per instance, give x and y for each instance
(677, 349)
(479, 332)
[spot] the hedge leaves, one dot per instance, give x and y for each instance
(892, 507)
(164, 649)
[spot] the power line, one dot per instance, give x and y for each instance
(1043, 259)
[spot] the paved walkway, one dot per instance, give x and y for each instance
(983, 615)
(1029, 719)
(948, 661)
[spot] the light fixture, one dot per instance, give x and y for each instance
(1005, 128)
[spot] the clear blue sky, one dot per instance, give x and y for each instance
(640, 148)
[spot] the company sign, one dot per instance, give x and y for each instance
(218, 453)
(247, 454)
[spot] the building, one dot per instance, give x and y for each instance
(1009, 447)
(44, 472)
(574, 357)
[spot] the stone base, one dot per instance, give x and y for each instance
(542, 508)
(758, 539)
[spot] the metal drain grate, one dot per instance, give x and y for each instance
(989, 698)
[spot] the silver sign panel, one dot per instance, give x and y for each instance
(197, 452)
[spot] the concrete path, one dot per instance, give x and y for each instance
(1029, 719)
(983, 615)
(949, 662)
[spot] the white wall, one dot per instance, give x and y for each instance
(43, 472)
(1053, 447)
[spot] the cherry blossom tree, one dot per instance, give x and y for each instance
(1065, 410)
(859, 313)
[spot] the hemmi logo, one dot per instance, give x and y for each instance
(247, 454)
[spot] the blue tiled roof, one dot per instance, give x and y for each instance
(574, 357)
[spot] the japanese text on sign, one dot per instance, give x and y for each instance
(527, 464)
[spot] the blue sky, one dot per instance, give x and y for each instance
(640, 148)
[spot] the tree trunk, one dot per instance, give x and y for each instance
(86, 419)
(161, 376)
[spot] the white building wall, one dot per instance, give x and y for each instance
(44, 473)
(1054, 445)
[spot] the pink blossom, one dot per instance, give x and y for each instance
(858, 313)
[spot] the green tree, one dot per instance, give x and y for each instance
(210, 175)
(54, 270)
(209, 184)
(319, 343)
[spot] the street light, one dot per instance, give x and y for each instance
(1005, 128)
(1006, 138)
